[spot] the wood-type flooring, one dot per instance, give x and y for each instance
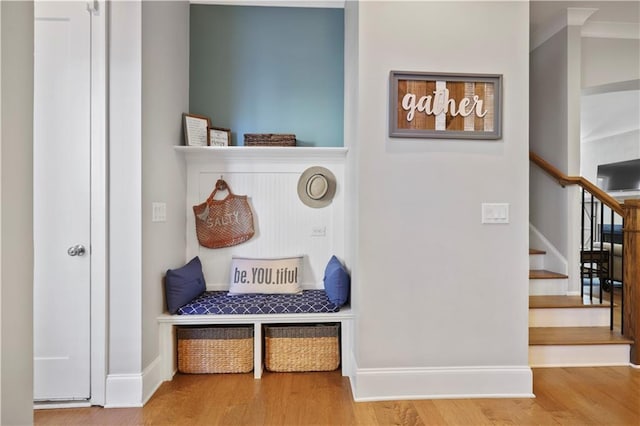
(564, 396)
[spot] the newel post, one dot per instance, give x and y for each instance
(631, 279)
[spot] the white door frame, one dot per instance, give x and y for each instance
(99, 206)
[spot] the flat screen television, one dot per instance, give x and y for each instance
(621, 176)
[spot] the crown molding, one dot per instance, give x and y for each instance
(551, 28)
(579, 15)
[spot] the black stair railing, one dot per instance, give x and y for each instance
(601, 256)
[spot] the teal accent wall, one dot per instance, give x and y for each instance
(269, 70)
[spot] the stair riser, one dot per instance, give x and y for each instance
(536, 261)
(542, 287)
(578, 355)
(569, 317)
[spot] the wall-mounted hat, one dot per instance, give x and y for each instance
(316, 187)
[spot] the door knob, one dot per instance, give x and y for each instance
(77, 250)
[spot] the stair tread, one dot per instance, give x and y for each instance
(542, 302)
(543, 274)
(539, 336)
(536, 251)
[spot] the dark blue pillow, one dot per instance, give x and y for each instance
(336, 282)
(184, 284)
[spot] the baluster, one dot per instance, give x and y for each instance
(601, 276)
(582, 247)
(591, 238)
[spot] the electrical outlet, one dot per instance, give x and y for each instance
(319, 231)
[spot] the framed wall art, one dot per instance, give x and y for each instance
(219, 136)
(437, 105)
(195, 129)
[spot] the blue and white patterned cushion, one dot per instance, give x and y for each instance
(221, 303)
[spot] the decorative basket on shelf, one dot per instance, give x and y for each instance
(269, 139)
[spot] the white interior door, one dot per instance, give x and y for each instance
(62, 201)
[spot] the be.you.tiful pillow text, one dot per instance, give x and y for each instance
(265, 276)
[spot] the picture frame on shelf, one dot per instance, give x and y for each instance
(219, 136)
(196, 129)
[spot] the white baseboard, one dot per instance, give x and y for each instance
(123, 390)
(151, 379)
(383, 384)
(52, 405)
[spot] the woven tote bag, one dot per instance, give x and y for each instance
(226, 222)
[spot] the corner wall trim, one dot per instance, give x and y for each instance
(124, 390)
(383, 384)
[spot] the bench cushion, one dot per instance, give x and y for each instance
(221, 303)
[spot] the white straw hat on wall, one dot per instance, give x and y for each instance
(316, 187)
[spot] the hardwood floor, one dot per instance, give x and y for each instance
(564, 396)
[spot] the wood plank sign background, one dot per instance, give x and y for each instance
(460, 106)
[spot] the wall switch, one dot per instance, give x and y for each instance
(158, 212)
(319, 231)
(495, 213)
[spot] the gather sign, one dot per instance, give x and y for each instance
(444, 105)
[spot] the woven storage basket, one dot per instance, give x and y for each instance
(302, 348)
(269, 139)
(215, 350)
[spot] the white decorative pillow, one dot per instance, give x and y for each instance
(268, 276)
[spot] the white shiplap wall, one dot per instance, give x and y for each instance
(283, 224)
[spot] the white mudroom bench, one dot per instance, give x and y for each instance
(168, 339)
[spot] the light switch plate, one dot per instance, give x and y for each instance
(158, 212)
(495, 212)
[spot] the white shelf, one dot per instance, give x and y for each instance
(277, 153)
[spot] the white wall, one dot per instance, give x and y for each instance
(548, 137)
(124, 381)
(351, 119)
(440, 310)
(165, 96)
(610, 129)
(16, 206)
(555, 136)
(607, 60)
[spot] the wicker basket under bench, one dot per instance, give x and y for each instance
(292, 348)
(215, 349)
(170, 324)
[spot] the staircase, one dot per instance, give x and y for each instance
(568, 330)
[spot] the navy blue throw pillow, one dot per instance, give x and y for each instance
(336, 282)
(184, 284)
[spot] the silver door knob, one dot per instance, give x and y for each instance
(77, 250)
